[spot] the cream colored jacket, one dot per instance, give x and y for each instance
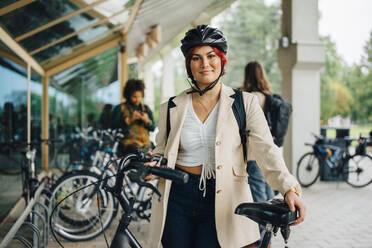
(231, 177)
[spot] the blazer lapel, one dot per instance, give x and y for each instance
(177, 117)
(224, 112)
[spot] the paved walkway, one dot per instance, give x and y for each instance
(338, 216)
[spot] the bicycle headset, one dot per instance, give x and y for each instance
(202, 35)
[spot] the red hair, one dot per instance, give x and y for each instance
(223, 58)
(218, 52)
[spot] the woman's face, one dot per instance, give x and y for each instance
(205, 65)
(136, 98)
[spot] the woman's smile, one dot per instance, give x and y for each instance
(205, 65)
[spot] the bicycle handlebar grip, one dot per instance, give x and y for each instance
(163, 161)
(171, 174)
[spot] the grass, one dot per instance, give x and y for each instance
(355, 131)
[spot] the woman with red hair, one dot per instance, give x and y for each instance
(204, 141)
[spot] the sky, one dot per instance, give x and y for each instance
(349, 23)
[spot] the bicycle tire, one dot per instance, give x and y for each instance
(359, 170)
(308, 169)
(70, 221)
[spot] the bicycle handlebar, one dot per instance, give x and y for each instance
(171, 174)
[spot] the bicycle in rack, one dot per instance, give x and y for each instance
(32, 190)
(355, 169)
(28, 168)
(76, 220)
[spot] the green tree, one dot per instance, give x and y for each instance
(252, 29)
(359, 80)
(335, 96)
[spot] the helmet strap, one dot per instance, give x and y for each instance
(195, 87)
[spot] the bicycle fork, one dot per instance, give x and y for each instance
(123, 235)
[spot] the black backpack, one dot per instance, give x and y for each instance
(239, 113)
(277, 113)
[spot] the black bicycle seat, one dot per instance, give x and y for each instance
(276, 212)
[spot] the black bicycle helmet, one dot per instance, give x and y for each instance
(203, 35)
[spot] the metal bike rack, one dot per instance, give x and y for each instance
(46, 221)
(21, 221)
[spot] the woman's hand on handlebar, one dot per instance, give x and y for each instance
(152, 164)
(294, 202)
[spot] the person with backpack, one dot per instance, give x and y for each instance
(134, 118)
(199, 134)
(256, 82)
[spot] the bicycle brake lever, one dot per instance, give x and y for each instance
(136, 177)
(153, 188)
(105, 186)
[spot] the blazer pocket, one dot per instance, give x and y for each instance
(239, 173)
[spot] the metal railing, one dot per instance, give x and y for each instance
(36, 216)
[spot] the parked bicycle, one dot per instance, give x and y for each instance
(132, 166)
(77, 219)
(30, 181)
(355, 169)
(77, 149)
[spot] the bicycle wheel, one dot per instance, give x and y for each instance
(308, 169)
(359, 170)
(78, 218)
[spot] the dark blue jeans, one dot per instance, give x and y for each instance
(190, 220)
(261, 191)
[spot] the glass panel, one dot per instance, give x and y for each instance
(34, 15)
(69, 43)
(13, 110)
(77, 100)
(100, 70)
(58, 31)
(13, 126)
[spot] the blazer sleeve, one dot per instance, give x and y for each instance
(262, 149)
(161, 137)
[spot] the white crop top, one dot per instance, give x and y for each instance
(197, 144)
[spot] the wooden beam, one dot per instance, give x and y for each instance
(123, 65)
(12, 57)
(14, 6)
(45, 123)
(28, 104)
(132, 17)
(142, 51)
(82, 4)
(82, 46)
(59, 20)
(84, 54)
(150, 42)
(105, 20)
(17, 49)
(155, 33)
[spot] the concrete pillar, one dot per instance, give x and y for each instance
(167, 87)
(300, 58)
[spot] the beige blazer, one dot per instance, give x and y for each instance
(231, 177)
